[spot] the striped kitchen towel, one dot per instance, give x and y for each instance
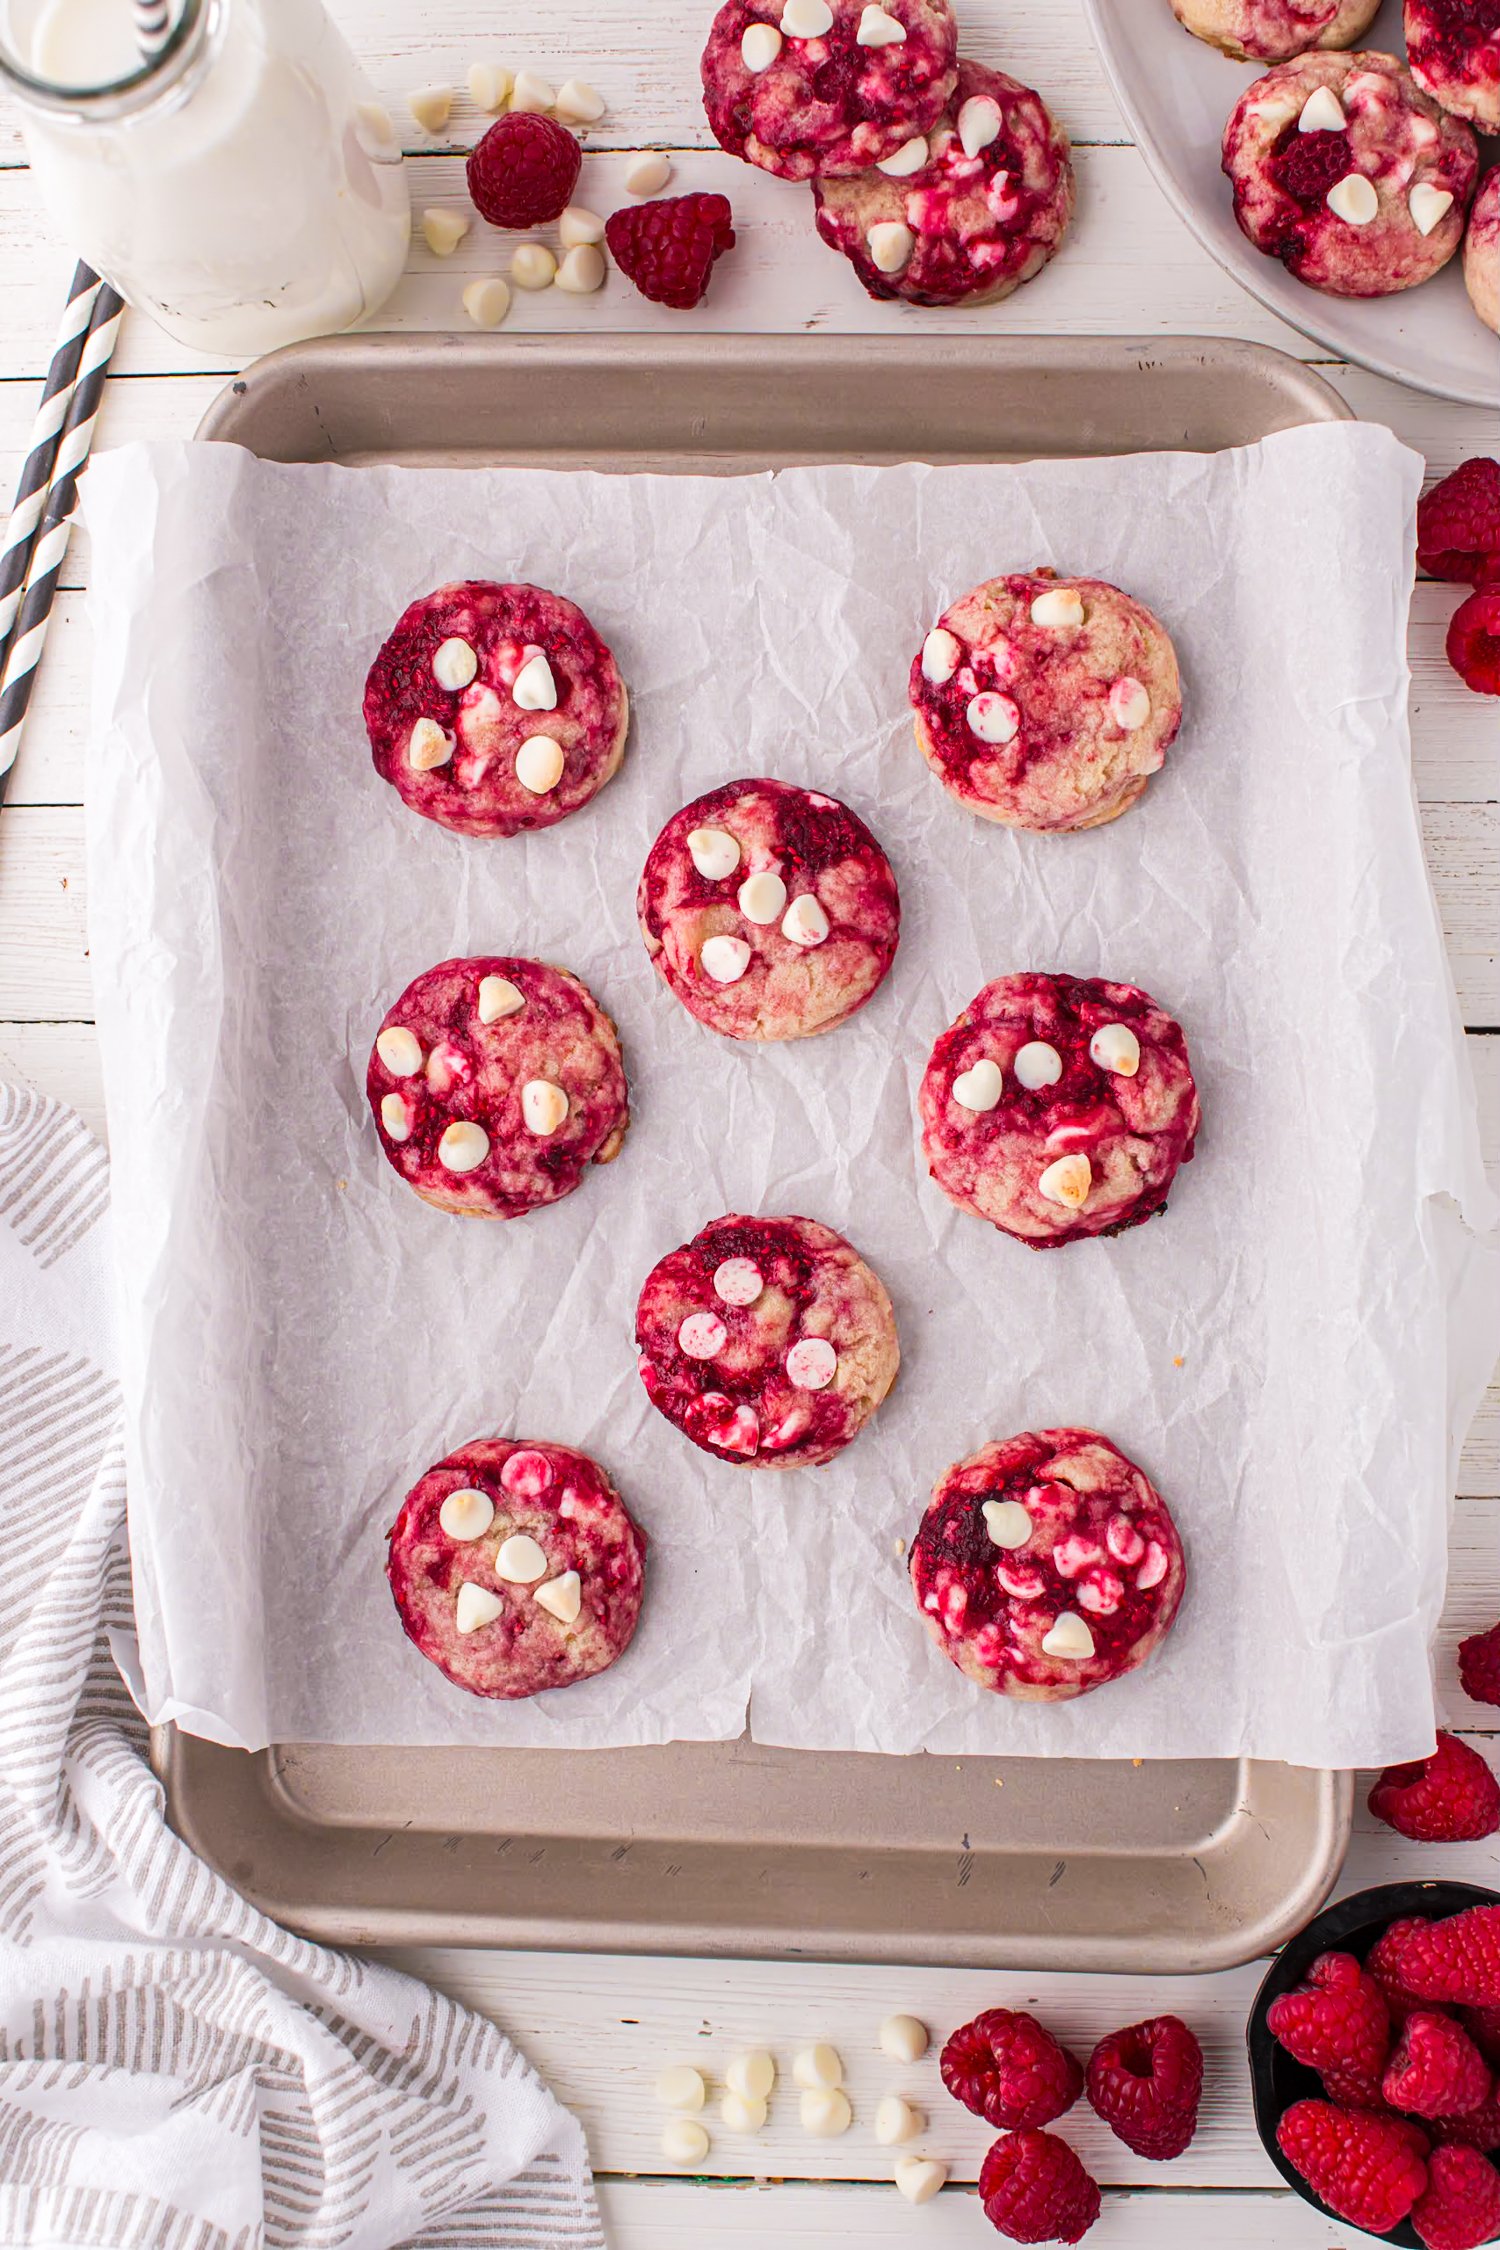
(177, 2072)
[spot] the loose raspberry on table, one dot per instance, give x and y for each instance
(1461, 2205)
(524, 170)
(1381, 1964)
(1436, 2070)
(1009, 2070)
(1458, 525)
(1368, 2169)
(1034, 2189)
(1479, 1665)
(1337, 2022)
(1145, 2082)
(1473, 643)
(668, 248)
(1455, 1959)
(1451, 1797)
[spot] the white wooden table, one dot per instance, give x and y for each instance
(600, 2028)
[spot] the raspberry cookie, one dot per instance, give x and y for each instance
(810, 89)
(1059, 1108)
(1482, 252)
(517, 1567)
(493, 709)
(965, 213)
(495, 1083)
(1046, 702)
(1453, 47)
(767, 1341)
(1275, 30)
(1349, 174)
(770, 911)
(1047, 1565)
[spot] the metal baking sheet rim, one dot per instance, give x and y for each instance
(700, 402)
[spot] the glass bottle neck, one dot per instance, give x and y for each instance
(44, 46)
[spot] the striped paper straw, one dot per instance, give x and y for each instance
(36, 476)
(29, 639)
(153, 22)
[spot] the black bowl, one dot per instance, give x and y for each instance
(1352, 1925)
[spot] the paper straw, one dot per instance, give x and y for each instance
(36, 476)
(153, 23)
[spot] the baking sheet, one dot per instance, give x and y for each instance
(307, 1338)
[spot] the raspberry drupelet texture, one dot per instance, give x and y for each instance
(1008, 2069)
(523, 171)
(1460, 2206)
(1368, 2169)
(1338, 2024)
(1435, 2069)
(1458, 531)
(1453, 47)
(1473, 642)
(1457, 1959)
(1450, 1798)
(1381, 1963)
(1034, 2189)
(1146, 2082)
(1479, 1665)
(669, 248)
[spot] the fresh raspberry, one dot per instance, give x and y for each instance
(1473, 646)
(1009, 2070)
(1336, 2022)
(1451, 1797)
(1461, 2207)
(1309, 164)
(1367, 2169)
(1455, 1959)
(668, 248)
(1436, 2070)
(524, 170)
(1479, 1665)
(1034, 2189)
(1381, 1964)
(1458, 526)
(1145, 2082)
(1477, 2128)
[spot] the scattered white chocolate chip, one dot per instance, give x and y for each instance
(980, 1086)
(431, 106)
(741, 2114)
(759, 47)
(1067, 1181)
(679, 2086)
(806, 19)
(896, 2121)
(890, 243)
(530, 91)
(1129, 704)
(714, 853)
(725, 959)
(1428, 205)
(467, 1514)
(879, 28)
(520, 1561)
(825, 2112)
(534, 688)
(430, 746)
(978, 123)
(1007, 1523)
(533, 266)
(752, 2075)
(400, 1050)
(395, 1116)
(579, 228)
(578, 103)
(543, 1106)
(499, 998)
(919, 2178)
(762, 897)
(1069, 1637)
(702, 1335)
(904, 2038)
(463, 1147)
(489, 86)
(444, 230)
(1322, 112)
(941, 655)
(454, 665)
(1037, 1064)
(737, 1281)
(1060, 605)
(582, 270)
(811, 1364)
(539, 764)
(908, 158)
(562, 1597)
(1115, 1047)
(804, 921)
(817, 2066)
(994, 718)
(487, 302)
(1353, 199)
(476, 1606)
(648, 174)
(684, 2141)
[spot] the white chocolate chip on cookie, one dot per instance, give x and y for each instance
(1322, 112)
(430, 746)
(520, 1561)
(534, 688)
(909, 157)
(980, 1086)
(467, 1514)
(539, 764)
(476, 1606)
(762, 897)
(400, 1050)
(812, 1364)
(454, 664)
(978, 123)
(499, 998)
(1429, 206)
(890, 243)
(562, 1597)
(396, 1116)
(463, 1147)
(714, 853)
(806, 19)
(759, 47)
(1067, 1181)
(543, 1106)
(804, 921)
(1059, 606)
(1007, 1523)
(737, 1281)
(879, 28)
(702, 1335)
(994, 718)
(941, 656)
(1115, 1047)
(1129, 704)
(1069, 1637)
(1037, 1064)
(725, 959)
(1353, 199)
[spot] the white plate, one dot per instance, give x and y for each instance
(1176, 93)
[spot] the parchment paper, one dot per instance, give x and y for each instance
(1292, 1352)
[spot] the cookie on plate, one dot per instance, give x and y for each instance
(1482, 252)
(1345, 170)
(1047, 1565)
(1046, 702)
(1453, 47)
(809, 89)
(770, 911)
(962, 214)
(1059, 1108)
(1275, 30)
(768, 1342)
(495, 1083)
(517, 1567)
(492, 709)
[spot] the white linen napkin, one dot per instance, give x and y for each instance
(176, 2071)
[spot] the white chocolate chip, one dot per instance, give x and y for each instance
(941, 656)
(878, 28)
(994, 718)
(476, 1606)
(431, 106)
(908, 158)
(904, 2038)
(725, 959)
(534, 688)
(890, 243)
(759, 47)
(578, 103)
(679, 2086)
(1037, 1064)
(825, 2112)
(1322, 112)
(818, 2066)
(454, 665)
(919, 2178)
(1067, 1181)
(520, 1561)
(430, 745)
(499, 998)
(533, 266)
(978, 123)
(684, 2141)
(811, 1364)
(400, 1050)
(489, 86)
(444, 230)
(896, 2121)
(579, 227)
(740, 2114)
(1353, 199)
(737, 1281)
(1069, 1637)
(702, 1335)
(463, 1147)
(752, 2075)
(714, 853)
(562, 1597)
(806, 19)
(980, 1086)
(1007, 1523)
(1115, 1047)
(539, 764)
(648, 174)
(581, 271)
(1060, 605)
(467, 1514)
(543, 1106)
(396, 1116)
(487, 302)
(1428, 205)
(762, 897)
(804, 921)
(1129, 704)
(446, 1067)
(530, 91)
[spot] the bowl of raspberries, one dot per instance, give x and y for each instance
(1375, 2064)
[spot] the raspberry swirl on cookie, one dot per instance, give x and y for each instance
(810, 88)
(1274, 30)
(1453, 47)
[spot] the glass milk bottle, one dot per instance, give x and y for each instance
(242, 186)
